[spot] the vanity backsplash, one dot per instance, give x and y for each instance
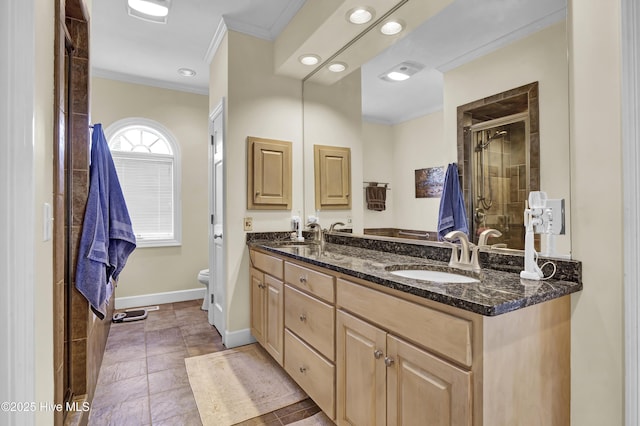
(496, 259)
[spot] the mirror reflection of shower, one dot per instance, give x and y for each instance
(500, 179)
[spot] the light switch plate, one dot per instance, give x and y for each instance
(248, 224)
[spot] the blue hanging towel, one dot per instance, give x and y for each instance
(452, 215)
(107, 237)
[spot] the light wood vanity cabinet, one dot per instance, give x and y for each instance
(369, 355)
(309, 322)
(384, 380)
(267, 305)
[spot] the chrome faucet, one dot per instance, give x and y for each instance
(462, 261)
(333, 225)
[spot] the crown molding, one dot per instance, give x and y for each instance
(145, 81)
(216, 40)
(226, 23)
(494, 45)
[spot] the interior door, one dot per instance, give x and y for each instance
(217, 287)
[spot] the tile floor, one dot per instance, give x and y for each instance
(143, 379)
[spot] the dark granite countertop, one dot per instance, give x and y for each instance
(497, 292)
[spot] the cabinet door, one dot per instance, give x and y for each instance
(257, 305)
(423, 389)
(274, 325)
(269, 169)
(332, 177)
(360, 372)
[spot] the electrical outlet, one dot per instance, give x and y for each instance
(248, 224)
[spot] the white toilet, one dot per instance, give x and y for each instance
(203, 278)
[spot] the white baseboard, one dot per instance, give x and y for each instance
(160, 298)
(237, 338)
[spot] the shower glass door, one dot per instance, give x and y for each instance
(500, 175)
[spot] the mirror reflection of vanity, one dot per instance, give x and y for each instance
(465, 52)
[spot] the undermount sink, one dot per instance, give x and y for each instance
(436, 276)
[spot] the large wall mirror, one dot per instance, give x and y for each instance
(457, 52)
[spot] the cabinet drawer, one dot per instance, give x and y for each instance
(314, 374)
(269, 264)
(311, 319)
(314, 282)
(445, 334)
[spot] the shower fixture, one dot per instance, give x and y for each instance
(485, 202)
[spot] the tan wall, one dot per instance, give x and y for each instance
(377, 166)
(541, 57)
(165, 269)
(264, 105)
(333, 116)
(418, 144)
(597, 327)
(43, 179)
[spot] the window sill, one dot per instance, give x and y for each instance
(158, 244)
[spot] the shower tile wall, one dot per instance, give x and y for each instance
(88, 335)
(507, 173)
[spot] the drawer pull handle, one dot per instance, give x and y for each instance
(303, 369)
(303, 317)
(388, 361)
(377, 354)
(303, 279)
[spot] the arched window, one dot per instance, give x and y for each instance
(146, 157)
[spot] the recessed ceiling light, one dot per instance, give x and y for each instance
(149, 10)
(402, 71)
(360, 15)
(392, 27)
(186, 72)
(398, 76)
(337, 67)
(309, 59)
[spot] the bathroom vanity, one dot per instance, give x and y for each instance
(374, 348)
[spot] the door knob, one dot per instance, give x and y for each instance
(388, 361)
(377, 354)
(303, 369)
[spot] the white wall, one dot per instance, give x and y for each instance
(43, 168)
(152, 270)
(597, 328)
(540, 57)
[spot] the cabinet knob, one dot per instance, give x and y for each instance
(303, 279)
(303, 369)
(388, 361)
(303, 317)
(377, 354)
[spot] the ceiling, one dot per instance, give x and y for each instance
(129, 49)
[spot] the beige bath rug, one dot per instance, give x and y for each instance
(238, 384)
(319, 419)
